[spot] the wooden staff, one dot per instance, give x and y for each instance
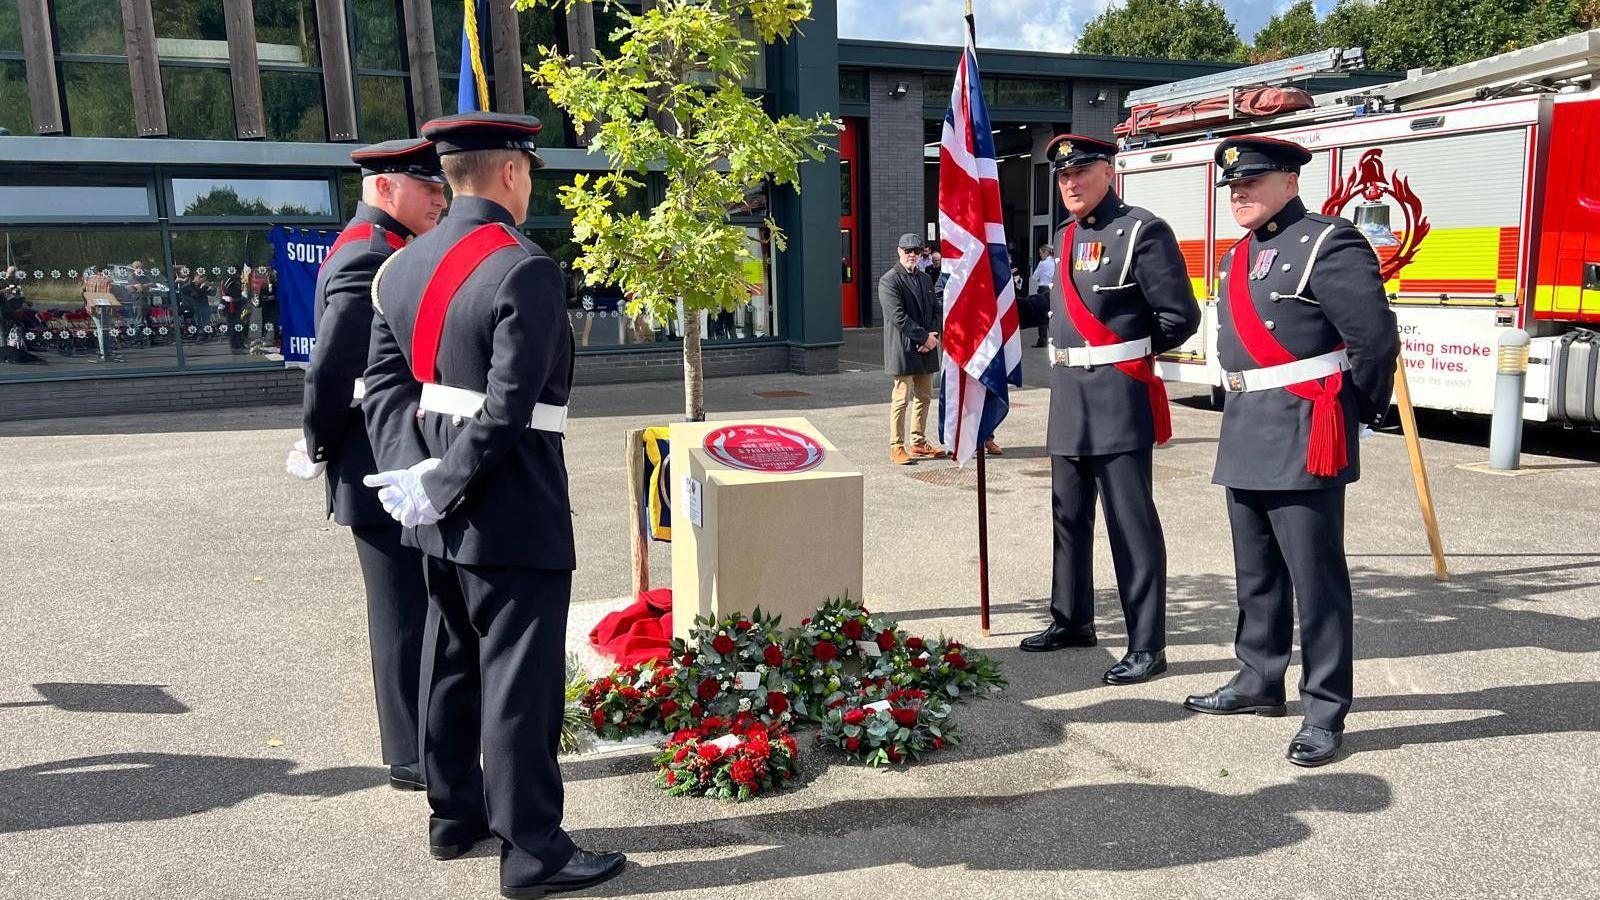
(640, 544)
(1419, 471)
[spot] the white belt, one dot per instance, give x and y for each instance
(1297, 372)
(360, 391)
(1103, 355)
(454, 401)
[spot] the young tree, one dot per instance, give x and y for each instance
(669, 98)
(1293, 32)
(1406, 34)
(1170, 29)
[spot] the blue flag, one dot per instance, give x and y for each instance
(297, 254)
(472, 14)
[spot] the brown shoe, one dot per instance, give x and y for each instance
(991, 448)
(928, 451)
(899, 456)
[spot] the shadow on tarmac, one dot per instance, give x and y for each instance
(147, 787)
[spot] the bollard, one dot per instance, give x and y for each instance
(1505, 428)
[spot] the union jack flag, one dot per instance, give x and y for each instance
(982, 350)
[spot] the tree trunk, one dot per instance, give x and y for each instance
(694, 386)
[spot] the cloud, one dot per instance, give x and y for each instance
(1005, 24)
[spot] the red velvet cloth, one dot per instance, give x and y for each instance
(642, 631)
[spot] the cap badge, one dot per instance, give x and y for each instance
(1230, 156)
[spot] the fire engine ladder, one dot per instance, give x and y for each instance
(1547, 66)
(1333, 62)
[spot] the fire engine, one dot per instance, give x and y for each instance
(1478, 186)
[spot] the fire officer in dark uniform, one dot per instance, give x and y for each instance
(402, 192)
(472, 356)
(1308, 346)
(1123, 295)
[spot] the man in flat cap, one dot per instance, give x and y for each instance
(1122, 297)
(911, 323)
(1308, 347)
(472, 364)
(402, 191)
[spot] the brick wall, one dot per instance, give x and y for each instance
(221, 390)
(894, 169)
(1096, 121)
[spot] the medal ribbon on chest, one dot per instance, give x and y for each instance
(1263, 265)
(1086, 256)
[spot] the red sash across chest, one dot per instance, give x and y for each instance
(1097, 334)
(458, 264)
(1326, 451)
(361, 232)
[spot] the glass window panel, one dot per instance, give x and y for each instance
(10, 28)
(286, 32)
(349, 192)
(379, 35)
(1032, 92)
(99, 99)
(252, 197)
(846, 195)
(385, 114)
(853, 85)
(227, 296)
(84, 299)
(75, 200)
(545, 199)
(15, 114)
(447, 37)
(190, 30)
(89, 27)
(293, 104)
(199, 102)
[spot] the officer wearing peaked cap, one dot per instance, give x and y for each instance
(402, 190)
(1123, 295)
(1308, 344)
(472, 364)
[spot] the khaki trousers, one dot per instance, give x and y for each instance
(907, 387)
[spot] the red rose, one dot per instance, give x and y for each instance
(708, 688)
(915, 643)
(920, 662)
(953, 645)
(696, 710)
(825, 651)
(938, 743)
(687, 660)
(687, 734)
(672, 778)
(789, 745)
(852, 630)
(722, 644)
(894, 755)
(605, 685)
(630, 693)
(806, 621)
(773, 655)
(743, 772)
(855, 716)
(710, 753)
(680, 755)
(835, 703)
(905, 717)
(852, 744)
(742, 626)
(885, 640)
(598, 717)
(668, 707)
(777, 701)
(713, 724)
(956, 660)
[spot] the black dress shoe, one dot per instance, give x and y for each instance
(451, 848)
(1314, 746)
(584, 870)
(1225, 701)
(1137, 666)
(406, 778)
(1057, 636)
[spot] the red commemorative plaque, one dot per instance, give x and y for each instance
(764, 448)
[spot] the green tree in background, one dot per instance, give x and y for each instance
(1406, 34)
(1293, 32)
(1169, 29)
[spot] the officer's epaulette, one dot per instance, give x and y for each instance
(1326, 219)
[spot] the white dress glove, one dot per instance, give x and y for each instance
(300, 465)
(400, 491)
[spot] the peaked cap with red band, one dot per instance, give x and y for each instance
(1246, 157)
(410, 156)
(466, 132)
(1069, 150)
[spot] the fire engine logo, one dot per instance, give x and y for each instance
(1368, 181)
(764, 448)
(1230, 156)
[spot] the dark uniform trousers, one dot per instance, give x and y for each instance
(499, 563)
(1138, 549)
(1288, 552)
(495, 654)
(335, 430)
(1126, 268)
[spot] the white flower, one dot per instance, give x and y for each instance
(816, 673)
(744, 705)
(761, 668)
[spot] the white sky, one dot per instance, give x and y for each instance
(1051, 25)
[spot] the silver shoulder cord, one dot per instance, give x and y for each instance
(377, 276)
(1305, 277)
(1127, 263)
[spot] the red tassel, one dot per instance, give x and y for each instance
(1159, 411)
(1327, 453)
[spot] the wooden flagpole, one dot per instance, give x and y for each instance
(1419, 470)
